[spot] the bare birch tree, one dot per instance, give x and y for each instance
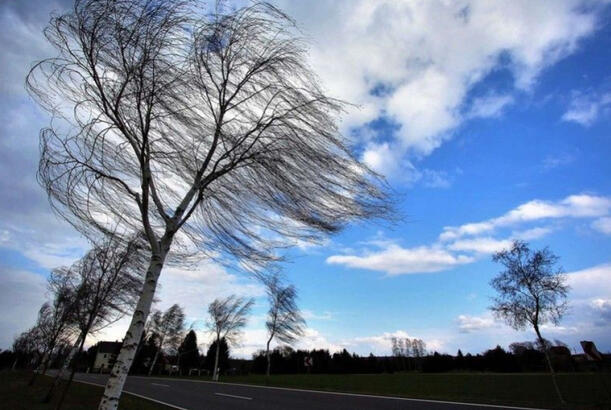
(53, 325)
(284, 320)
(27, 345)
(531, 292)
(208, 132)
(168, 327)
(227, 318)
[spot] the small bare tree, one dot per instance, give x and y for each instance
(53, 325)
(284, 320)
(207, 132)
(531, 292)
(168, 328)
(27, 345)
(104, 285)
(227, 318)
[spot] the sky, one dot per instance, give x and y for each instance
(489, 120)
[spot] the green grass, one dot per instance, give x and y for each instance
(581, 390)
(15, 394)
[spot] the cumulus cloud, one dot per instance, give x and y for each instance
(585, 109)
(396, 260)
(603, 225)
(467, 243)
(468, 324)
(489, 106)
(416, 63)
(574, 206)
(480, 245)
(311, 315)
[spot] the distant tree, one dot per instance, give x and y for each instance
(53, 325)
(188, 352)
(227, 318)
(531, 291)
(27, 345)
(418, 348)
(146, 351)
(284, 320)
(167, 328)
(217, 360)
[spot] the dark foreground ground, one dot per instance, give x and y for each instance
(16, 395)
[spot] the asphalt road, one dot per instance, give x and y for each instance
(201, 395)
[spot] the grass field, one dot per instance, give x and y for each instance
(581, 390)
(16, 395)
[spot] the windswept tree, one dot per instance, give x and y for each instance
(54, 324)
(531, 291)
(284, 320)
(167, 329)
(27, 346)
(104, 284)
(206, 131)
(227, 319)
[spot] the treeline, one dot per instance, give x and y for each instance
(521, 357)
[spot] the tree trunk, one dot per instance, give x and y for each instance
(67, 386)
(269, 360)
(215, 373)
(14, 366)
(43, 363)
(118, 375)
(155, 358)
(549, 365)
(63, 370)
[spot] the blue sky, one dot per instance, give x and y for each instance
(490, 120)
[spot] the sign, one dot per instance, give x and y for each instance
(589, 348)
(308, 361)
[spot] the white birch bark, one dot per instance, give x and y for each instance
(215, 374)
(269, 360)
(156, 356)
(118, 375)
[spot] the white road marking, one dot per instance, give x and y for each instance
(235, 397)
(158, 384)
(137, 395)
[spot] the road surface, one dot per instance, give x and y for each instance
(203, 395)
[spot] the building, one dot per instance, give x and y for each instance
(105, 357)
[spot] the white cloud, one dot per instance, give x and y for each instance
(396, 260)
(416, 62)
(533, 233)
(585, 109)
(310, 315)
(489, 106)
(603, 225)
(480, 245)
(468, 324)
(458, 245)
(591, 283)
(574, 206)
(557, 161)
